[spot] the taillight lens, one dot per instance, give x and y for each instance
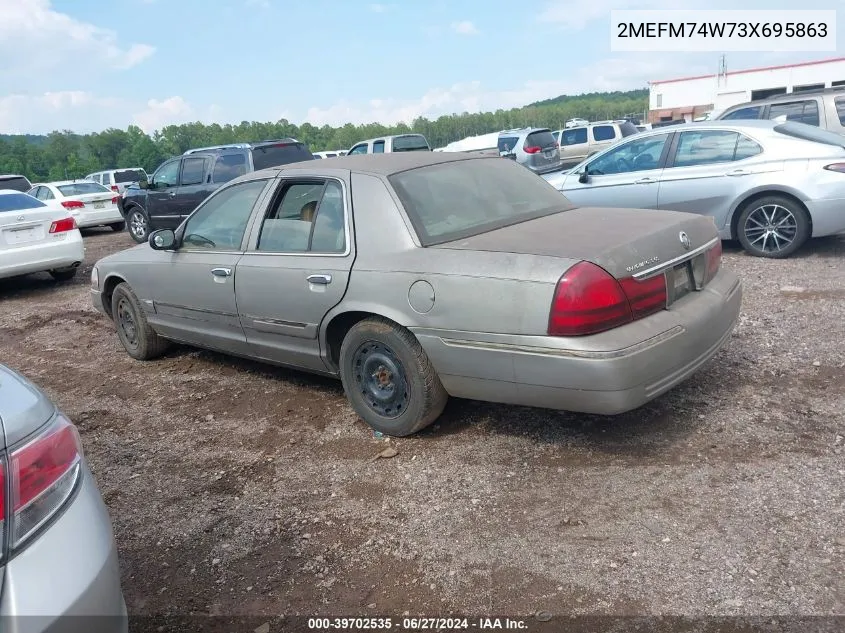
(114, 188)
(115, 199)
(713, 259)
(73, 204)
(2, 507)
(65, 224)
(532, 149)
(589, 300)
(43, 475)
(840, 167)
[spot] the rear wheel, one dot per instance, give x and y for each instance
(389, 379)
(65, 274)
(139, 224)
(117, 227)
(138, 338)
(773, 227)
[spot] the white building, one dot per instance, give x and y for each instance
(691, 97)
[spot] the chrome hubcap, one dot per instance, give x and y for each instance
(137, 224)
(770, 228)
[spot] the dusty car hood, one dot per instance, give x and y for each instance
(23, 408)
(615, 239)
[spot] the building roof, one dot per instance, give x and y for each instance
(752, 70)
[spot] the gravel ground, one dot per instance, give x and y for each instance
(238, 488)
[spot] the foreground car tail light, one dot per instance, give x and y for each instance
(840, 167)
(589, 300)
(43, 475)
(532, 149)
(65, 224)
(713, 259)
(73, 204)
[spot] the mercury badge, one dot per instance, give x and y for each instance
(21, 218)
(684, 239)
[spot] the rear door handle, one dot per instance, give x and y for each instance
(320, 279)
(738, 172)
(172, 194)
(221, 272)
(644, 181)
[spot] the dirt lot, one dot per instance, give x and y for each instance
(237, 488)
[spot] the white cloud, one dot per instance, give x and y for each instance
(614, 73)
(464, 27)
(35, 38)
(85, 112)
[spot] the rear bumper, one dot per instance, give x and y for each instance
(608, 373)
(99, 217)
(68, 579)
(57, 254)
(828, 216)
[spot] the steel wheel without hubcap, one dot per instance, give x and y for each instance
(138, 225)
(126, 323)
(771, 228)
(381, 379)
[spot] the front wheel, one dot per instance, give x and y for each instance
(773, 227)
(139, 225)
(389, 379)
(139, 340)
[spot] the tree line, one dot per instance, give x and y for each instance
(64, 154)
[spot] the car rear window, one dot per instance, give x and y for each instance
(410, 143)
(542, 139)
(81, 188)
(16, 183)
(459, 199)
(265, 156)
(18, 202)
(507, 143)
(130, 175)
(810, 133)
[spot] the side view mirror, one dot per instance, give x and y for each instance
(162, 240)
(584, 176)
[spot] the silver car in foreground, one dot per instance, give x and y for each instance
(769, 185)
(58, 561)
(420, 275)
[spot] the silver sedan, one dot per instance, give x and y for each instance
(417, 276)
(770, 185)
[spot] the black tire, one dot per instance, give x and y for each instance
(64, 275)
(139, 224)
(378, 355)
(117, 227)
(139, 340)
(761, 215)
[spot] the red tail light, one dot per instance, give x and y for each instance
(43, 475)
(73, 204)
(65, 224)
(532, 149)
(115, 199)
(713, 257)
(114, 188)
(589, 300)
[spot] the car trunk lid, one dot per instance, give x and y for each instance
(29, 227)
(625, 242)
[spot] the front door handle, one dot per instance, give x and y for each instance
(644, 181)
(738, 172)
(221, 272)
(320, 279)
(172, 194)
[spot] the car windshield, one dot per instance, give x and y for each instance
(81, 188)
(462, 198)
(18, 202)
(810, 133)
(410, 143)
(130, 175)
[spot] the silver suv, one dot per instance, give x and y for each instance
(535, 148)
(577, 143)
(821, 108)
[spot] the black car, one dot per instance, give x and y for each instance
(179, 184)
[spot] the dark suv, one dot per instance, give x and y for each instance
(179, 184)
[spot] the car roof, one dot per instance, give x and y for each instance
(388, 137)
(12, 176)
(5, 192)
(376, 164)
(57, 183)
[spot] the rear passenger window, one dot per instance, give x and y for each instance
(106, 179)
(746, 148)
(799, 111)
(378, 147)
(574, 137)
(604, 133)
(308, 217)
(193, 171)
(752, 112)
(703, 148)
(840, 109)
(228, 167)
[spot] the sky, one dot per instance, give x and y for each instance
(87, 65)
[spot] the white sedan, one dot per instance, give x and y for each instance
(36, 238)
(90, 203)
